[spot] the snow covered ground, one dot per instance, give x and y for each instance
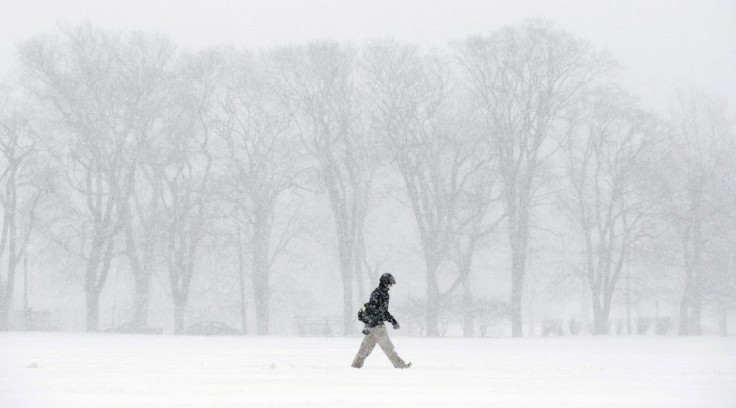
(111, 370)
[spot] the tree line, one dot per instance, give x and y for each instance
(124, 148)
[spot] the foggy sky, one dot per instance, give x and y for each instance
(662, 44)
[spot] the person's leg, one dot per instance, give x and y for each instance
(369, 342)
(388, 347)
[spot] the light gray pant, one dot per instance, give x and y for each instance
(378, 335)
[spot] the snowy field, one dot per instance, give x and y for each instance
(110, 370)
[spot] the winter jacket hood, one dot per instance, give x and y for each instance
(385, 280)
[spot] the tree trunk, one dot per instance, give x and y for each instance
(142, 291)
(179, 312)
(628, 300)
(723, 323)
(6, 293)
(28, 323)
(434, 301)
(518, 226)
(261, 289)
(181, 270)
(90, 288)
(528, 304)
(684, 326)
(93, 310)
(345, 247)
(596, 311)
(517, 290)
(347, 288)
(360, 257)
(696, 306)
(691, 240)
(4, 309)
(345, 234)
(601, 320)
(241, 279)
(468, 329)
(601, 309)
(141, 276)
(98, 266)
(261, 285)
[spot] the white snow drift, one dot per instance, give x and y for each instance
(103, 370)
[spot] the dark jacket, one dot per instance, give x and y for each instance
(376, 309)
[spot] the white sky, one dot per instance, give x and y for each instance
(663, 44)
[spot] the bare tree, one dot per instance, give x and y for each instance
(185, 170)
(522, 80)
(475, 219)
(428, 137)
(323, 79)
(264, 156)
(146, 67)
(719, 287)
(724, 286)
(607, 144)
(20, 193)
(77, 76)
(689, 175)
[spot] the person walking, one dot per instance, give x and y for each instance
(375, 314)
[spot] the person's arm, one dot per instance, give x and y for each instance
(386, 315)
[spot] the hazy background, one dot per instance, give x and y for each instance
(662, 46)
(661, 43)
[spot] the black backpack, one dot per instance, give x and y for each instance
(362, 315)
